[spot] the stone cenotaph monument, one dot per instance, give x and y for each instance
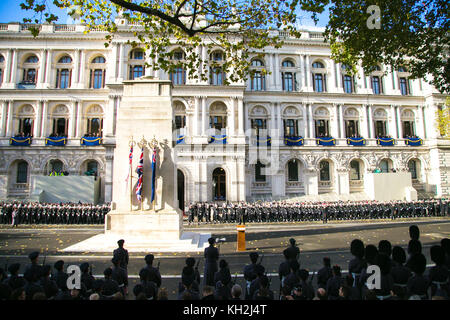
(144, 123)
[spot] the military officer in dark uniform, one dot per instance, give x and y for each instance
(250, 273)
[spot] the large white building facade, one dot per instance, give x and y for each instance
(307, 128)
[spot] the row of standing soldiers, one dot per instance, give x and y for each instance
(243, 212)
(52, 213)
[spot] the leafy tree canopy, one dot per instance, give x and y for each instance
(409, 34)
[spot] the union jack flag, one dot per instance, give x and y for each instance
(153, 174)
(140, 172)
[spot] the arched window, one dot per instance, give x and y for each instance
(136, 66)
(94, 117)
(65, 59)
(259, 172)
(55, 166)
(25, 117)
(293, 170)
(92, 168)
(97, 73)
(63, 77)
(319, 77)
(60, 116)
(384, 166)
(412, 167)
(318, 65)
(258, 79)
(217, 76)
(22, 172)
(2, 59)
(30, 70)
(354, 170)
(288, 78)
(324, 167)
(178, 75)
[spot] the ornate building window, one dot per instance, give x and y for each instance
(64, 73)
(355, 170)
(376, 81)
(136, 64)
(380, 123)
(25, 121)
(60, 118)
(30, 70)
(384, 166)
(408, 123)
(351, 116)
(348, 80)
(293, 170)
(94, 121)
(412, 167)
(258, 79)
(218, 117)
(324, 171)
(319, 77)
(22, 172)
(322, 122)
(404, 81)
(178, 75)
(217, 76)
(288, 78)
(97, 73)
(54, 166)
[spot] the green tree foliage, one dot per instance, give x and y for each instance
(412, 34)
(443, 120)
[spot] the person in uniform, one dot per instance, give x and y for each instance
(418, 284)
(324, 273)
(119, 274)
(438, 275)
(153, 274)
(293, 251)
(211, 255)
(357, 264)
(34, 268)
(60, 277)
(222, 280)
(122, 257)
(110, 287)
(14, 281)
(86, 278)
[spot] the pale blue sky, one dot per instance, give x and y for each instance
(10, 11)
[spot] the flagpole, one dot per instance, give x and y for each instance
(131, 176)
(142, 144)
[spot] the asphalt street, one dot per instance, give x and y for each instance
(316, 240)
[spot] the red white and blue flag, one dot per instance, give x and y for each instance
(140, 172)
(153, 174)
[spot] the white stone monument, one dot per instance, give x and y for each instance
(145, 115)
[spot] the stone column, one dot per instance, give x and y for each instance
(73, 120)
(38, 119)
(7, 75)
(393, 122)
(241, 178)
(343, 181)
(196, 111)
(120, 75)
(79, 124)
(270, 81)
(308, 73)
(231, 116)
(76, 68)
(82, 81)
(371, 125)
(48, 69)
(277, 72)
(311, 181)
(42, 69)
(109, 174)
(204, 123)
(109, 114)
(14, 70)
(240, 105)
(341, 118)
(399, 122)
(302, 73)
(312, 134)
(203, 196)
(4, 104)
(44, 118)
(364, 123)
(340, 87)
(334, 123)
(112, 63)
(305, 123)
(9, 128)
(332, 82)
(420, 127)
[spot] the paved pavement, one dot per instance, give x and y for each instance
(315, 240)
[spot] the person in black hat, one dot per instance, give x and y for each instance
(190, 275)
(110, 286)
(14, 281)
(60, 277)
(414, 232)
(119, 275)
(154, 274)
(414, 247)
(34, 269)
(249, 272)
(438, 274)
(307, 288)
(122, 257)
(211, 257)
(418, 283)
(384, 246)
(386, 281)
(292, 279)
